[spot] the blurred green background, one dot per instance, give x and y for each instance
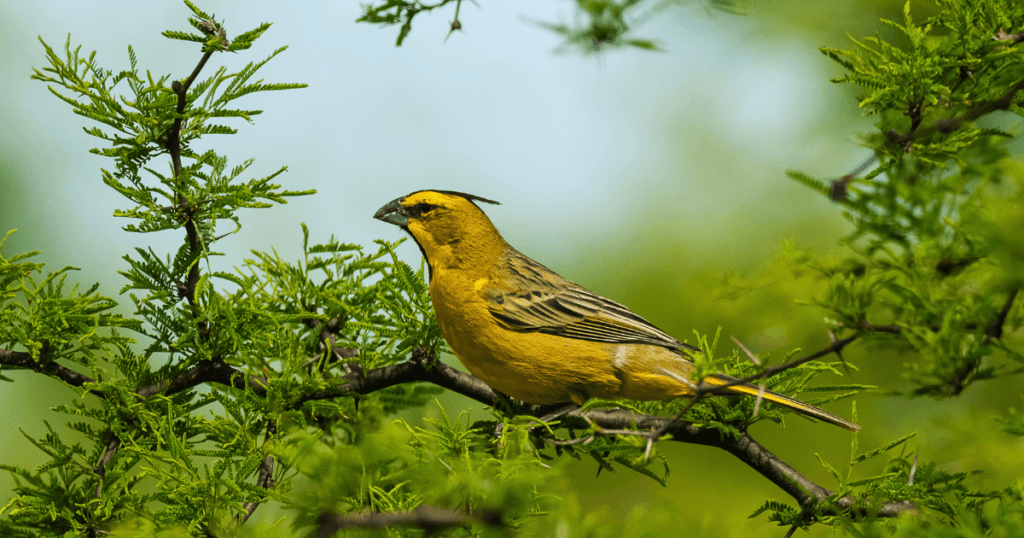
(643, 176)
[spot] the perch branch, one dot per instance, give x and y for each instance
(422, 367)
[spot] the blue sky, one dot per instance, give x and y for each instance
(591, 147)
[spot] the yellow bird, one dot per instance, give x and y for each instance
(533, 335)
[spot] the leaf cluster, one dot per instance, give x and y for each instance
(149, 445)
(933, 266)
(934, 260)
(598, 26)
(53, 319)
(947, 505)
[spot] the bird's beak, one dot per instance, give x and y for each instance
(393, 213)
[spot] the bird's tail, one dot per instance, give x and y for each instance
(774, 397)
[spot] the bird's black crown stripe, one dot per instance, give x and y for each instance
(470, 197)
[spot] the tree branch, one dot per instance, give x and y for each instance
(835, 347)
(101, 467)
(746, 449)
(995, 329)
(423, 367)
(265, 477)
(188, 288)
(948, 125)
(206, 372)
(20, 359)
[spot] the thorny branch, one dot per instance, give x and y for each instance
(745, 448)
(838, 189)
(456, 24)
(424, 367)
(20, 359)
(993, 331)
(948, 125)
(188, 289)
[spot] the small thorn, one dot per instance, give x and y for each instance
(913, 468)
(750, 355)
(832, 339)
(650, 447)
(757, 403)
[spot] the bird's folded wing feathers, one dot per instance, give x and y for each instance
(536, 299)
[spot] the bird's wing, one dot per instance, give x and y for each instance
(533, 298)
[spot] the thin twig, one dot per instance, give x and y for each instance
(174, 147)
(101, 467)
(456, 24)
(897, 329)
(838, 188)
(995, 329)
(21, 359)
(265, 476)
(838, 345)
(949, 125)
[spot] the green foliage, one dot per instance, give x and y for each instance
(237, 388)
(599, 25)
(401, 467)
(1013, 423)
(391, 12)
(154, 450)
(933, 264)
(934, 260)
(903, 478)
(54, 320)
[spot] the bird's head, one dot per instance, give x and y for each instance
(448, 226)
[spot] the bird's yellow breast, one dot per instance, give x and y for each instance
(541, 368)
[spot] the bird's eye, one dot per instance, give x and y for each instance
(424, 209)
